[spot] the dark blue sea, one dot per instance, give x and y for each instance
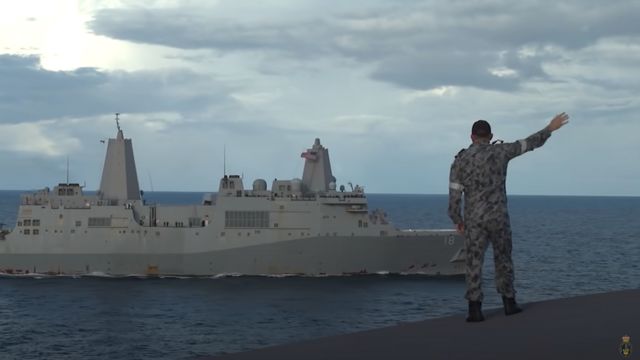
(563, 246)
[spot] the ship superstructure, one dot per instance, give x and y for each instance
(300, 226)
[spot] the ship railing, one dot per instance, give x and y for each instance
(75, 207)
(303, 198)
(434, 231)
(33, 201)
(343, 196)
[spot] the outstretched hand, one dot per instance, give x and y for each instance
(558, 121)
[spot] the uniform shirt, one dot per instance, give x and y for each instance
(480, 172)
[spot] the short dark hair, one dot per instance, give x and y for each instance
(481, 128)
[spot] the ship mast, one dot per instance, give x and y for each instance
(119, 176)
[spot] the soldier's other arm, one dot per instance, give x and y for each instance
(535, 140)
(455, 195)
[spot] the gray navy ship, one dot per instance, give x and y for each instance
(299, 227)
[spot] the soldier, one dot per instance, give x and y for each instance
(480, 173)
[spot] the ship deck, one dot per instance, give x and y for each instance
(584, 327)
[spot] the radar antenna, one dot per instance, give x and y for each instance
(118, 121)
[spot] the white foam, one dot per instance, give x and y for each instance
(98, 274)
(176, 277)
(224, 275)
(24, 275)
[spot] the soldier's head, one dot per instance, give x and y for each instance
(481, 132)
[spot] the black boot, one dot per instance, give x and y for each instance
(510, 306)
(475, 312)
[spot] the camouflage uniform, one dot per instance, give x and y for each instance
(480, 173)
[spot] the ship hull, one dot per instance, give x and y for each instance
(431, 253)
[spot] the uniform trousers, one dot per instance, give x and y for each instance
(478, 235)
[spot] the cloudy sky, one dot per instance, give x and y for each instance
(390, 87)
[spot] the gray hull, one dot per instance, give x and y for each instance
(435, 254)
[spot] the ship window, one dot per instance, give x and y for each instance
(19, 223)
(99, 222)
(246, 219)
(60, 192)
(36, 222)
(281, 187)
(27, 231)
(70, 192)
(73, 231)
(232, 185)
(78, 223)
(359, 223)
(27, 222)
(36, 232)
(366, 224)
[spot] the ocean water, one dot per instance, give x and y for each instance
(563, 246)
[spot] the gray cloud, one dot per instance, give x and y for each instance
(431, 71)
(195, 29)
(420, 45)
(29, 92)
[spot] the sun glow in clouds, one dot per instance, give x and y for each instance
(52, 29)
(57, 31)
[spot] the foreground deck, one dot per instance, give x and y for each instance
(584, 327)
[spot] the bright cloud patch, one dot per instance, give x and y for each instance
(36, 139)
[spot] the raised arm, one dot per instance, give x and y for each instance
(535, 140)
